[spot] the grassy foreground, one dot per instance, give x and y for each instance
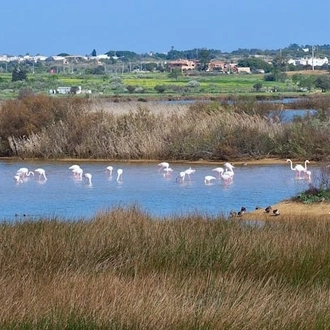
(126, 270)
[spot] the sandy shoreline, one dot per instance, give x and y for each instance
(291, 210)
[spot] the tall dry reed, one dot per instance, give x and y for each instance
(204, 130)
(126, 270)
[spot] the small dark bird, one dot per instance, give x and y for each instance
(276, 212)
(232, 214)
(258, 207)
(242, 211)
(268, 209)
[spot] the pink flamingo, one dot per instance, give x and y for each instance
(227, 177)
(189, 171)
(298, 168)
(209, 178)
(163, 165)
(88, 176)
(119, 175)
(181, 177)
(109, 169)
(24, 172)
(41, 172)
(219, 170)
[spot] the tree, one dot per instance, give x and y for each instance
(93, 53)
(18, 74)
(160, 88)
(255, 63)
(257, 86)
(204, 59)
(323, 82)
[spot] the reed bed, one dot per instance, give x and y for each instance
(126, 270)
(43, 127)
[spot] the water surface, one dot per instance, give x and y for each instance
(65, 196)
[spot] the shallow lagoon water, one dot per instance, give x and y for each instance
(64, 196)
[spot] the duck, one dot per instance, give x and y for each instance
(242, 211)
(268, 209)
(276, 212)
(232, 214)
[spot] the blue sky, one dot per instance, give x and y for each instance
(78, 27)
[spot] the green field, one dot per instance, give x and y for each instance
(145, 83)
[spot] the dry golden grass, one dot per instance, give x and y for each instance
(125, 270)
(293, 210)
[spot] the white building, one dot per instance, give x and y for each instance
(316, 61)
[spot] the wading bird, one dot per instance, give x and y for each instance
(298, 168)
(163, 165)
(41, 172)
(189, 171)
(219, 170)
(209, 178)
(109, 169)
(119, 175)
(88, 176)
(24, 172)
(181, 177)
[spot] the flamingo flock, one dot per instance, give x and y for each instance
(225, 174)
(222, 174)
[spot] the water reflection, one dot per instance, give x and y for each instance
(67, 196)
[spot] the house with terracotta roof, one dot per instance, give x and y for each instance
(183, 65)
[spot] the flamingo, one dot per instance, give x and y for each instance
(74, 167)
(78, 172)
(229, 167)
(298, 168)
(109, 169)
(163, 165)
(209, 178)
(181, 177)
(18, 178)
(167, 171)
(119, 175)
(308, 175)
(226, 176)
(24, 172)
(189, 171)
(219, 170)
(41, 172)
(89, 178)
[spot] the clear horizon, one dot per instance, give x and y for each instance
(152, 26)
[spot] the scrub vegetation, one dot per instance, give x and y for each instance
(38, 126)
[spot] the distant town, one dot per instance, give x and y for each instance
(293, 57)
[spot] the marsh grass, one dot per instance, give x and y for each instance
(126, 270)
(45, 127)
(42, 127)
